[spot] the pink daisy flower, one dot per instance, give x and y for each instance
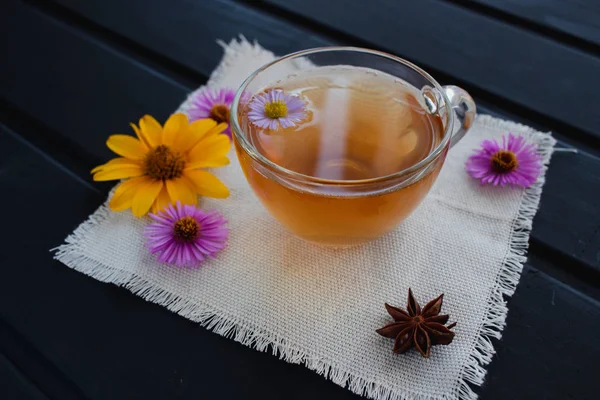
(276, 108)
(214, 104)
(184, 235)
(514, 162)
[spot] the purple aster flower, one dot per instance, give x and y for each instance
(514, 162)
(184, 235)
(215, 104)
(273, 108)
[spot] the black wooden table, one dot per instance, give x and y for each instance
(74, 71)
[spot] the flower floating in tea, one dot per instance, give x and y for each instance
(164, 165)
(275, 108)
(512, 162)
(213, 104)
(421, 328)
(184, 235)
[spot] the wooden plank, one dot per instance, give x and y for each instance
(535, 344)
(187, 31)
(577, 18)
(116, 346)
(569, 215)
(67, 83)
(14, 385)
(33, 367)
(519, 67)
(572, 235)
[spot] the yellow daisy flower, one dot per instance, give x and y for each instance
(164, 164)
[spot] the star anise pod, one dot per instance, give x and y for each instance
(422, 328)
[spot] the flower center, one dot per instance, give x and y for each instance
(162, 163)
(276, 109)
(220, 113)
(186, 229)
(504, 161)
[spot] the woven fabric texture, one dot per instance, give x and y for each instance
(321, 307)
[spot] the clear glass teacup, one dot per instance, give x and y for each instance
(341, 144)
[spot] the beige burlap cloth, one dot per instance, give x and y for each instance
(274, 292)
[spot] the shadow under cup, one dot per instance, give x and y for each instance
(347, 212)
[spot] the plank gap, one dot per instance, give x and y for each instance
(530, 25)
(182, 74)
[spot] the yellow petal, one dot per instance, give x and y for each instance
(129, 184)
(118, 173)
(180, 190)
(150, 130)
(101, 166)
(162, 201)
(127, 146)
(116, 163)
(174, 127)
(193, 133)
(214, 162)
(138, 133)
(144, 197)
(123, 196)
(206, 184)
(217, 129)
(209, 152)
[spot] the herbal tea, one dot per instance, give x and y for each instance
(359, 124)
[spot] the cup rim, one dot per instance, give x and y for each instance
(249, 149)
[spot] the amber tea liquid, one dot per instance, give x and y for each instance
(360, 124)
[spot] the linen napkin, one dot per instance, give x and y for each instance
(321, 307)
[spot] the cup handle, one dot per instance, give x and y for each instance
(464, 109)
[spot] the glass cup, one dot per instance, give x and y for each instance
(347, 212)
